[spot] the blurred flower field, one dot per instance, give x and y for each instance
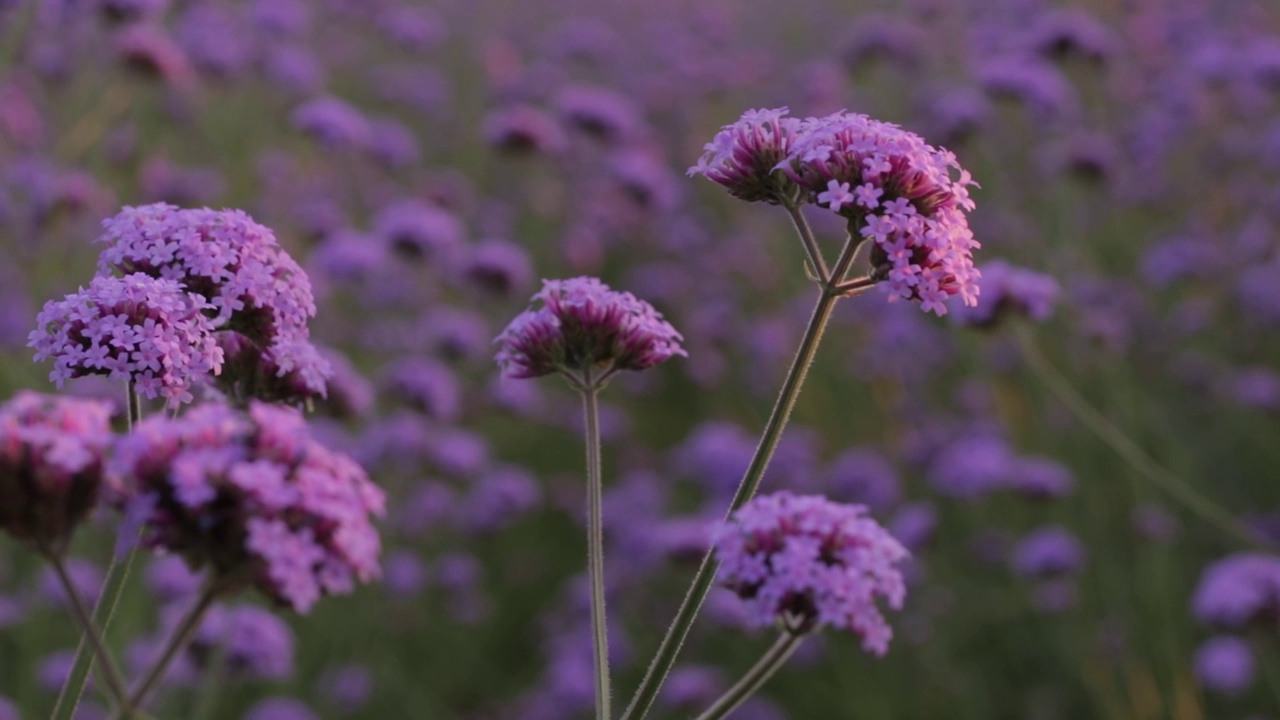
(1083, 466)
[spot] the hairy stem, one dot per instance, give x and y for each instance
(1130, 452)
(669, 649)
(810, 243)
(95, 641)
(182, 634)
(773, 659)
(595, 551)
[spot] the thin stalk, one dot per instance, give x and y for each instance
(182, 634)
(773, 659)
(669, 649)
(1130, 452)
(595, 551)
(110, 671)
(134, 415)
(810, 243)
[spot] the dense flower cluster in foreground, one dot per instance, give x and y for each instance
(579, 326)
(150, 332)
(255, 498)
(807, 561)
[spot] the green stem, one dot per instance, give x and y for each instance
(1130, 452)
(110, 671)
(595, 551)
(669, 649)
(773, 659)
(182, 634)
(810, 243)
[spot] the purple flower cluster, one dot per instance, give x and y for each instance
(807, 562)
(893, 187)
(253, 287)
(1008, 290)
(52, 452)
(1239, 590)
(256, 498)
(148, 331)
(579, 327)
(744, 155)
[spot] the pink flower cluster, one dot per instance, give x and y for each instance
(252, 285)
(893, 187)
(744, 155)
(256, 498)
(898, 191)
(52, 453)
(1010, 291)
(580, 326)
(138, 328)
(808, 562)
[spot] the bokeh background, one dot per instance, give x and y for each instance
(429, 162)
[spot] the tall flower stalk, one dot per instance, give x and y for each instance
(585, 332)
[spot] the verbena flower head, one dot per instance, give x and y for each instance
(584, 330)
(1225, 664)
(138, 328)
(1010, 291)
(52, 453)
(254, 286)
(1239, 590)
(254, 497)
(291, 370)
(897, 191)
(809, 562)
(744, 156)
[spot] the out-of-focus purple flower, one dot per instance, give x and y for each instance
(524, 130)
(169, 578)
(584, 330)
(1048, 551)
(281, 17)
(599, 112)
(54, 669)
(972, 466)
(1040, 478)
(417, 230)
(897, 191)
(8, 711)
(52, 453)
(1225, 664)
(148, 331)
(348, 687)
(425, 385)
(1010, 291)
(1038, 85)
(645, 178)
(457, 452)
(11, 612)
(498, 267)
(151, 52)
(419, 88)
(252, 494)
(216, 40)
(884, 38)
(499, 497)
(428, 505)
(693, 687)
(280, 708)
(1066, 33)
(1256, 388)
(1239, 590)
(1055, 595)
(744, 156)
(809, 562)
(163, 181)
(953, 115)
(1178, 258)
(132, 10)
(1258, 290)
(404, 574)
(393, 144)
(862, 475)
(716, 455)
(86, 577)
(333, 123)
(294, 69)
(914, 525)
(412, 27)
(253, 643)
